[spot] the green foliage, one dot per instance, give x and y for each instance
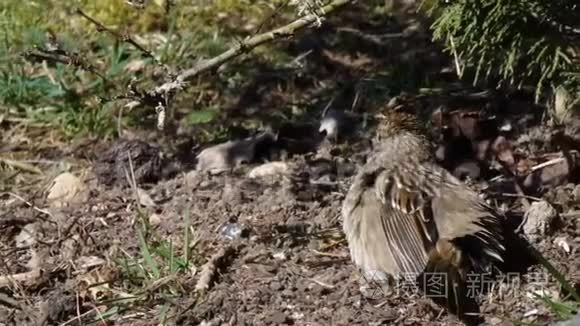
(201, 116)
(151, 275)
(68, 97)
(564, 310)
(513, 42)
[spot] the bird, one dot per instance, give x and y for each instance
(406, 215)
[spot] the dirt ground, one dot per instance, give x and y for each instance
(269, 251)
(288, 265)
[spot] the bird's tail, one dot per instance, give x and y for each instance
(444, 281)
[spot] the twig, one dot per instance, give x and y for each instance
(571, 214)
(456, 57)
(40, 54)
(324, 285)
(156, 96)
(78, 317)
(327, 254)
(29, 204)
(327, 107)
(21, 165)
(505, 194)
(78, 309)
(209, 269)
(547, 163)
(355, 101)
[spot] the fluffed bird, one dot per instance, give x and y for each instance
(405, 215)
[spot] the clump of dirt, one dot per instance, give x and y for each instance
(114, 163)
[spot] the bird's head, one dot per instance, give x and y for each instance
(393, 123)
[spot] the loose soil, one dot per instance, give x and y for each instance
(289, 263)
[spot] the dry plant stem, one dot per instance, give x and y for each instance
(21, 165)
(27, 278)
(548, 163)
(29, 204)
(209, 269)
(154, 97)
(65, 58)
(78, 317)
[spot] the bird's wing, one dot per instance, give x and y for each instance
(406, 218)
(460, 214)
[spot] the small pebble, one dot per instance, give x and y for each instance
(562, 242)
(539, 220)
(231, 231)
(280, 255)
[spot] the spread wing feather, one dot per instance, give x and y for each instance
(407, 221)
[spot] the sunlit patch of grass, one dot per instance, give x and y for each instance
(66, 97)
(152, 276)
(564, 308)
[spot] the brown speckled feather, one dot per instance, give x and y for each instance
(401, 203)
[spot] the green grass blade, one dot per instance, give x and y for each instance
(186, 237)
(147, 257)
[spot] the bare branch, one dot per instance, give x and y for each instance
(158, 95)
(40, 54)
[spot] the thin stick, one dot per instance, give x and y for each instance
(29, 204)
(548, 163)
(515, 195)
(456, 57)
(77, 317)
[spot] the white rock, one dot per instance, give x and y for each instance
(66, 189)
(269, 169)
(539, 219)
(562, 243)
(26, 237)
(530, 313)
(280, 255)
(155, 219)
